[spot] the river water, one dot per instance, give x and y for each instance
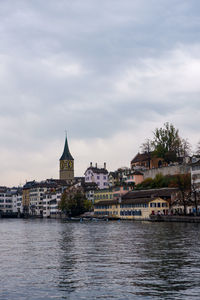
(51, 259)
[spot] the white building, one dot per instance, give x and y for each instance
(5, 200)
(195, 175)
(97, 175)
(50, 204)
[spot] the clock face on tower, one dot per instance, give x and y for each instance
(66, 164)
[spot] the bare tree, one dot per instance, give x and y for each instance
(185, 148)
(147, 147)
(183, 197)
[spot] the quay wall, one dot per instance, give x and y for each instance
(186, 219)
(170, 170)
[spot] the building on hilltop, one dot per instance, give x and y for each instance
(135, 177)
(97, 175)
(146, 160)
(119, 176)
(67, 164)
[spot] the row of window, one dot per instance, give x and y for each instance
(122, 213)
(158, 204)
(5, 201)
(104, 196)
(195, 168)
(144, 205)
(103, 213)
(103, 206)
(7, 206)
(133, 205)
(130, 213)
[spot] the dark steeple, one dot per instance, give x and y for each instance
(66, 154)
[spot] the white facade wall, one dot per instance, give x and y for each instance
(195, 176)
(6, 204)
(36, 200)
(50, 204)
(14, 203)
(101, 179)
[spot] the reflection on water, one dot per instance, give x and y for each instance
(50, 259)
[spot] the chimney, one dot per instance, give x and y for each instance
(105, 166)
(96, 165)
(90, 164)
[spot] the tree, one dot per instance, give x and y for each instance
(167, 143)
(198, 149)
(185, 148)
(183, 183)
(147, 147)
(73, 202)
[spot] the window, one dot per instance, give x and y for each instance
(158, 204)
(98, 177)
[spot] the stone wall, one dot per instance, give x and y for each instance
(170, 170)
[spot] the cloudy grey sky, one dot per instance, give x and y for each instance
(106, 71)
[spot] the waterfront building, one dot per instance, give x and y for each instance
(139, 208)
(97, 175)
(51, 204)
(6, 200)
(137, 204)
(67, 165)
(33, 194)
(16, 200)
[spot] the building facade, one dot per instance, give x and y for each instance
(97, 175)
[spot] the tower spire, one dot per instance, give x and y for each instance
(66, 153)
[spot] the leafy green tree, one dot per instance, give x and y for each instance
(168, 144)
(73, 202)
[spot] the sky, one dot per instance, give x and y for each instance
(108, 72)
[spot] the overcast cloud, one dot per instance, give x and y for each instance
(106, 71)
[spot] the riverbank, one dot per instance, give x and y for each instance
(186, 219)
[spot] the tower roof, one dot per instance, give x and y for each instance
(66, 153)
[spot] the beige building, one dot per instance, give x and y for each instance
(136, 209)
(137, 204)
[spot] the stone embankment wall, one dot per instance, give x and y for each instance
(188, 219)
(170, 170)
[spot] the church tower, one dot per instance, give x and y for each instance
(66, 164)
